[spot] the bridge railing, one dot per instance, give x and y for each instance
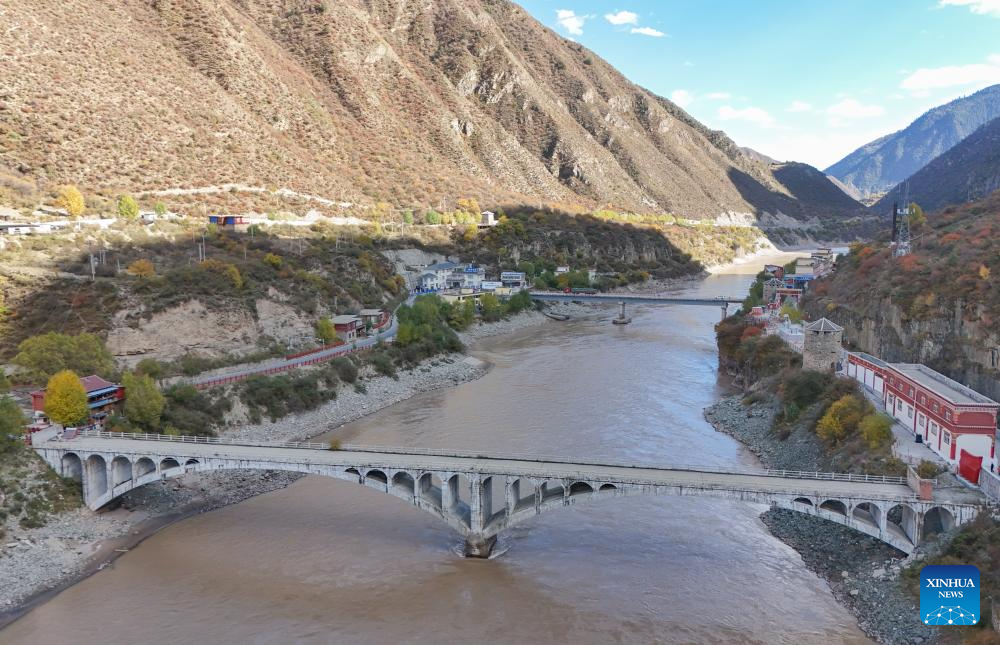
(477, 454)
(718, 300)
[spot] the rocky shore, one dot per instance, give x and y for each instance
(863, 573)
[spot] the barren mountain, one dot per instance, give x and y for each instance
(358, 100)
(969, 171)
(876, 167)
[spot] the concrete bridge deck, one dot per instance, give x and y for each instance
(560, 296)
(459, 487)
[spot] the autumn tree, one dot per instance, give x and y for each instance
(160, 209)
(916, 218)
(876, 430)
(142, 268)
(842, 418)
(151, 367)
(128, 208)
(143, 400)
(66, 399)
(490, 305)
(273, 260)
(71, 199)
(325, 331)
(42, 356)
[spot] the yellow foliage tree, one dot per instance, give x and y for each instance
(65, 399)
(984, 272)
(468, 205)
(71, 199)
(142, 268)
(842, 418)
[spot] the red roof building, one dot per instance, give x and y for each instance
(102, 397)
(948, 416)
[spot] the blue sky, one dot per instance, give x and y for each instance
(803, 80)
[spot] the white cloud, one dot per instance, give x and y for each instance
(854, 109)
(647, 31)
(931, 78)
(688, 63)
(571, 22)
(750, 114)
(682, 98)
(719, 96)
(799, 106)
(622, 18)
(982, 7)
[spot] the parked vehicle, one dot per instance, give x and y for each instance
(588, 291)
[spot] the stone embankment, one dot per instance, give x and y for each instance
(863, 573)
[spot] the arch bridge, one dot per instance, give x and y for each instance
(480, 495)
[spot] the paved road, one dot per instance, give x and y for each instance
(559, 296)
(748, 480)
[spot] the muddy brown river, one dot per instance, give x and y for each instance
(327, 561)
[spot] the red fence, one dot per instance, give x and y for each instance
(267, 371)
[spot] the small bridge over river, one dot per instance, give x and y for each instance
(722, 302)
(479, 495)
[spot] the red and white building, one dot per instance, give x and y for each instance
(949, 417)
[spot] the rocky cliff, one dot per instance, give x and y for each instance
(939, 305)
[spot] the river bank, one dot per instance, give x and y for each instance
(37, 563)
(863, 573)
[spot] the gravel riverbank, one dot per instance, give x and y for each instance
(863, 573)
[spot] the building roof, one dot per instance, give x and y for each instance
(91, 384)
(371, 312)
(441, 266)
(94, 382)
(941, 385)
(345, 320)
(823, 325)
(874, 360)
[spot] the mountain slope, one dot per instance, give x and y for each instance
(970, 170)
(357, 100)
(878, 166)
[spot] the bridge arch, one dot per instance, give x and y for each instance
(169, 463)
(937, 520)
(580, 488)
(72, 466)
(834, 506)
(121, 471)
(96, 473)
(143, 467)
(868, 512)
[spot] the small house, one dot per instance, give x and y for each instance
(347, 326)
(373, 318)
(103, 397)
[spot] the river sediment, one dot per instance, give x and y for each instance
(863, 573)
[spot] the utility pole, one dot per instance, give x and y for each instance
(93, 267)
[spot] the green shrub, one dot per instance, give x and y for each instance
(928, 469)
(876, 430)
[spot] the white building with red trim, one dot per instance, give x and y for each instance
(949, 417)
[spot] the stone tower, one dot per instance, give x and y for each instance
(821, 346)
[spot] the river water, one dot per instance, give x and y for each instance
(327, 561)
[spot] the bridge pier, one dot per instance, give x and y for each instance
(477, 546)
(725, 311)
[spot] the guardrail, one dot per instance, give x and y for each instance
(462, 454)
